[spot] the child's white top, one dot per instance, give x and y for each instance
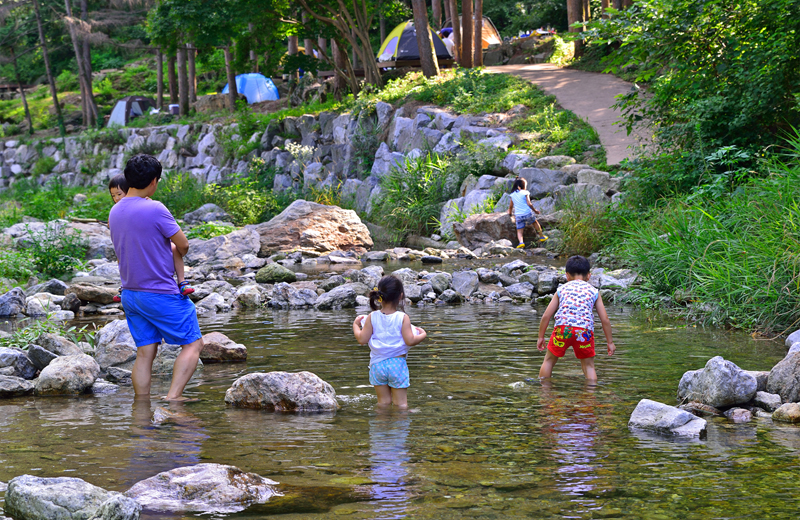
(576, 305)
(520, 199)
(387, 337)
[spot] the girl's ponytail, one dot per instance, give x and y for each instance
(375, 299)
(389, 289)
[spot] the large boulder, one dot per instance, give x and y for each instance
(478, 230)
(465, 283)
(39, 356)
(65, 498)
(115, 346)
(206, 213)
(787, 412)
(52, 286)
(314, 226)
(543, 182)
(12, 386)
(224, 250)
(203, 488)
(58, 345)
(68, 375)
(19, 361)
(285, 296)
(282, 392)
(342, 297)
(13, 302)
(784, 379)
(662, 418)
(720, 384)
(275, 273)
(89, 292)
(219, 348)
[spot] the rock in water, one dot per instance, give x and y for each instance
(63, 498)
(720, 384)
(700, 409)
(219, 348)
(68, 375)
(93, 293)
(652, 415)
(739, 415)
(314, 226)
(342, 297)
(274, 273)
(11, 386)
(12, 302)
(223, 250)
(465, 283)
(767, 401)
(203, 488)
(16, 358)
(282, 392)
(115, 346)
(784, 378)
(58, 345)
(789, 412)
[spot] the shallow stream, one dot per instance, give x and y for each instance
(472, 446)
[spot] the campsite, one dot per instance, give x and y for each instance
(320, 259)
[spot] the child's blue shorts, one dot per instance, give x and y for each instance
(153, 317)
(392, 372)
(524, 220)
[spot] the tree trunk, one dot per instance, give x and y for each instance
(173, 80)
(48, 71)
(604, 4)
(355, 51)
(466, 33)
(232, 94)
(616, 4)
(307, 43)
(183, 81)
(574, 15)
(586, 12)
(382, 22)
(90, 107)
(339, 59)
(322, 45)
(477, 56)
(291, 51)
(22, 92)
(192, 53)
(160, 79)
(447, 11)
(627, 3)
(436, 8)
(427, 58)
(87, 51)
(456, 30)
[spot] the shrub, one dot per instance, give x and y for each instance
(15, 265)
(45, 204)
(56, 252)
(209, 230)
(43, 166)
(97, 205)
(67, 81)
(586, 225)
(107, 136)
(31, 330)
(366, 141)
(180, 193)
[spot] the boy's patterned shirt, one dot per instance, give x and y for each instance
(576, 304)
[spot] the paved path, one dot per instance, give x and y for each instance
(590, 95)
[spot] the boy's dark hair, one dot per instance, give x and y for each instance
(118, 181)
(519, 184)
(141, 169)
(389, 290)
(578, 265)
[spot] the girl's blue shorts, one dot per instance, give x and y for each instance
(392, 372)
(524, 220)
(153, 317)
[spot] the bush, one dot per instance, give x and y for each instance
(209, 230)
(412, 196)
(109, 137)
(43, 166)
(67, 81)
(587, 225)
(365, 141)
(180, 193)
(15, 265)
(56, 252)
(97, 206)
(31, 330)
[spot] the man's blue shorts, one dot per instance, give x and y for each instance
(392, 372)
(153, 317)
(524, 220)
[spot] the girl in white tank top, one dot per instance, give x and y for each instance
(389, 333)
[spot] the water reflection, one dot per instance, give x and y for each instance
(388, 435)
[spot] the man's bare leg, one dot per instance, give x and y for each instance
(142, 369)
(184, 367)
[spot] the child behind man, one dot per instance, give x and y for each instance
(574, 327)
(118, 188)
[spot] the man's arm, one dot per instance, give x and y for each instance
(181, 242)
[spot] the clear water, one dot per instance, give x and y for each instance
(471, 446)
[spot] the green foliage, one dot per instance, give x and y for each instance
(412, 196)
(108, 137)
(44, 204)
(209, 230)
(97, 205)
(67, 81)
(54, 251)
(365, 141)
(15, 265)
(43, 166)
(563, 51)
(478, 160)
(30, 330)
(587, 225)
(180, 193)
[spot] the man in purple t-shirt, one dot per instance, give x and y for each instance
(141, 230)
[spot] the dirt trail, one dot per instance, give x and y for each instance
(590, 95)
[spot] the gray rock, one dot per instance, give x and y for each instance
(285, 296)
(793, 338)
(475, 200)
(516, 265)
(52, 286)
(739, 415)
(543, 182)
(581, 194)
(720, 384)
(406, 275)
(40, 357)
(413, 292)
(115, 346)
(375, 256)
(767, 401)
(203, 488)
(430, 259)
(384, 112)
(794, 348)
(330, 283)
(225, 250)
(465, 283)
(440, 282)
(71, 303)
(274, 273)
(341, 297)
(554, 161)
(487, 275)
(784, 379)
(199, 215)
(450, 296)
(58, 345)
(165, 359)
(118, 375)
(662, 418)
(386, 160)
(282, 392)
(101, 387)
(12, 386)
(16, 358)
(521, 291)
(64, 498)
(548, 282)
(219, 348)
(68, 375)
(599, 178)
(109, 270)
(761, 379)
(787, 412)
(531, 277)
(12, 302)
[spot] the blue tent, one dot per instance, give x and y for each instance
(255, 88)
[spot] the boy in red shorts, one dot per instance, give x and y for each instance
(573, 306)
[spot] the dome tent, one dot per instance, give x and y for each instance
(128, 108)
(255, 87)
(489, 33)
(401, 44)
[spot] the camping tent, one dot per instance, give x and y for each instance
(490, 34)
(255, 88)
(128, 108)
(401, 44)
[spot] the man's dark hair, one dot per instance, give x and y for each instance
(578, 265)
(141, 169)
(118, 181)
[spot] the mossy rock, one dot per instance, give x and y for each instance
(275, 273)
